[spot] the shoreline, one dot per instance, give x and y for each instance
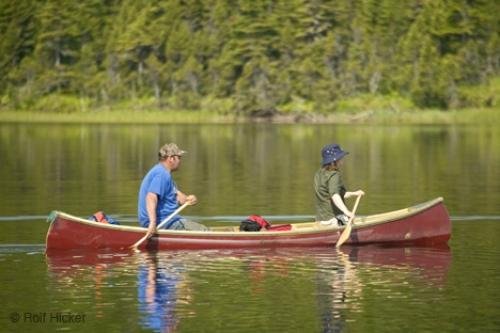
(376, 117)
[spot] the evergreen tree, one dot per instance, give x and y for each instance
(17, 28)
(262, 55)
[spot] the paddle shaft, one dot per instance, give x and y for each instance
(347, 231)
(167, 219)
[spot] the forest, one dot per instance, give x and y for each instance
(249, 57)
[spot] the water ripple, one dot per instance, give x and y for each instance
(22, 248)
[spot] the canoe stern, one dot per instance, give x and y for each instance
(431, 226)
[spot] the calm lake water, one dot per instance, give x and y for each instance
(238, 170)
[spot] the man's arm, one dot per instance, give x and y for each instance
(183, 198)
(151, 204)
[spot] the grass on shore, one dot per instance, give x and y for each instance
(466, 116)
(116, 117)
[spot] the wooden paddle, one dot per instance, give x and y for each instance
(347, 231)
(168, 218)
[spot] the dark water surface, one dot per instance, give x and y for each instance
(236, 171)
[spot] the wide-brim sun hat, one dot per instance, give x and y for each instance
(332, 153)
(170, 149)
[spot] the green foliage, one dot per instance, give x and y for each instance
(17, 35)
(369, 102)
(481, 96)
(57, 103)
(222, 106)
(254, 56)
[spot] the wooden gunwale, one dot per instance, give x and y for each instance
(303, 228)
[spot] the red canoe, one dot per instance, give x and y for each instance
(424, 224)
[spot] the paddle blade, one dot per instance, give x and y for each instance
(347, 231)
(135, 247)
(345, 235)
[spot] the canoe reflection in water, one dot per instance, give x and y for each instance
(280, 287)
(356, 270)
(160, 278)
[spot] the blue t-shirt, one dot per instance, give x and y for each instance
(158, 180)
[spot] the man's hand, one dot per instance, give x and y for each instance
(183, 198)
(191, 199)
(151, 230)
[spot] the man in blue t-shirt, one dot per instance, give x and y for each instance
(159, 196)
